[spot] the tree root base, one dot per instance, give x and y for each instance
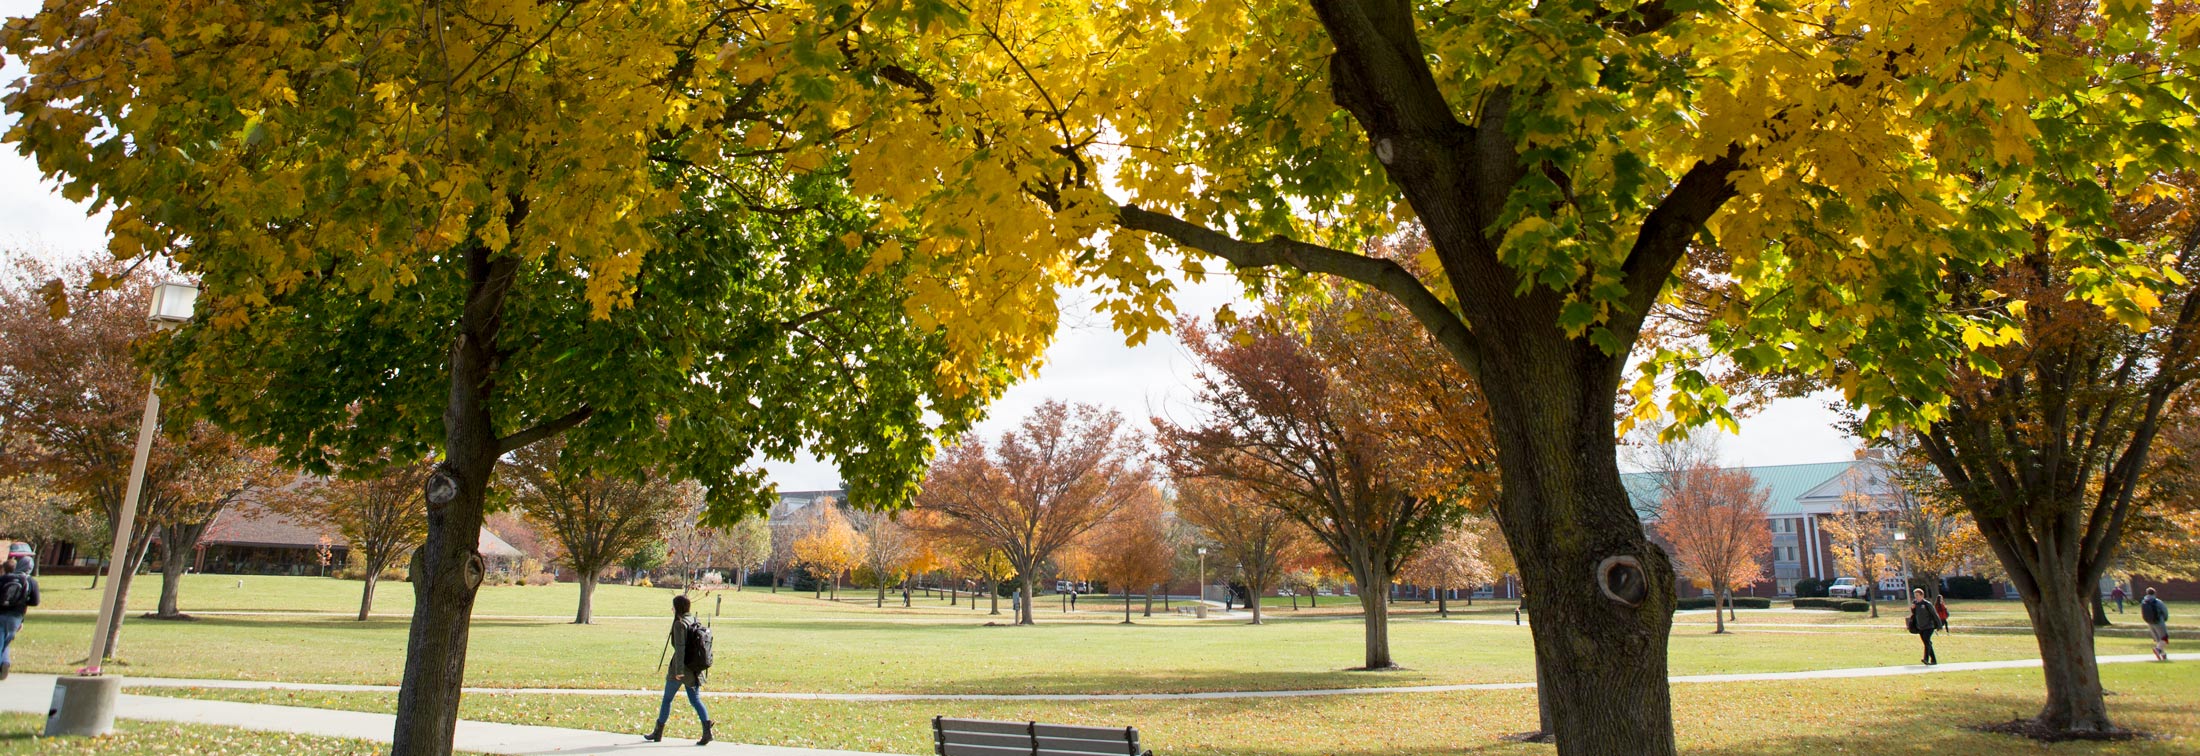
(177, 617)
(2034, 729)
(1538, 736)
(1390, 668)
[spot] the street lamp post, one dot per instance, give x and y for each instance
(1200, 609)
(85, 704)
(1905, 557)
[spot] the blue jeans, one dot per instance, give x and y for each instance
(664, 708)
(10, 624)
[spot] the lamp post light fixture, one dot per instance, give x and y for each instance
(85, 704)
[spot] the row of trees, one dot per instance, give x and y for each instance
(1956, 213)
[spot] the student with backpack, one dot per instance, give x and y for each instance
(1923, 621)
(690, 642)
(18, 592)
(2156, 615)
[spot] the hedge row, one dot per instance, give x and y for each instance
(1740, 602)
(1837, 604)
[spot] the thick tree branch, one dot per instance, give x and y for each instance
(1382, 275)
(522, 439)
(1665, 235)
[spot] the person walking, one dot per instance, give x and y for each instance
(2156, 615)
(1923, 621)
(2118, 595)
(18, 592)
(1940, 609)
(678, 675)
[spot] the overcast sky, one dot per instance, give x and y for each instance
(1088, 362)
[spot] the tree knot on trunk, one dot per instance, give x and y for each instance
(1621, 579)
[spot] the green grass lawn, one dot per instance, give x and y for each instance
(19, 733)
(1907, 715)
(791, 642)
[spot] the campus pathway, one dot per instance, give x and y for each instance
(1818, 674)
(25, 693)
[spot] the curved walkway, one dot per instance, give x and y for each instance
(1819, 674)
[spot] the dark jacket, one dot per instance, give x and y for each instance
(30, 591)
(1923, 618)
(677, 670)
(2151, 609)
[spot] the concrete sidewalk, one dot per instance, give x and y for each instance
(27, 693)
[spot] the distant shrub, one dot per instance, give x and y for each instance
(1810, 588)
(1836, 604)
(1967, 587)
(1739, 602)
(541, 578)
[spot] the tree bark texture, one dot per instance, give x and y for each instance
(1601, 593)
(587, 612)
(1023, 603)
(447, 568)
(366, 593)
(2063, 625)
(1375, 614)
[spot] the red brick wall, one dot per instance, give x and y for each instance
(2169, 590)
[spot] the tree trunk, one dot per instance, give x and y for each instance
(1443, 609)
(1149, 603)
(995, 595)
(446, 575)
(1375, 615)
(2060, 623)
(172, 566)
(366, 594)
(1023, 603)
(447, 569)
(881, 603)
(1253, 589)
(587, 612)
(1718, 615)
(2100, 613)
(1583, 557)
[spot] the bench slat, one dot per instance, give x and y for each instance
(985, 725)
(957, 749)
(954, 737)
(1086, 733)
(989, 737)
(1116, 747)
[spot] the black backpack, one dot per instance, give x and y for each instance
(2150, 610)
(15, 592)
(697, 654)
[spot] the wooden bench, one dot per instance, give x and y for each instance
(986, 737)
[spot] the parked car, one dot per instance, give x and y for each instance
(1846, 588)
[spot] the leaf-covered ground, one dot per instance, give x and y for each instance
(19, 733)
(1904, 715)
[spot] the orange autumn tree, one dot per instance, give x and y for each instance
(1253, 539)
(1454, 562)
(1131, 551)
(1715, 520)
(1357, 427)
(1063, 471)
